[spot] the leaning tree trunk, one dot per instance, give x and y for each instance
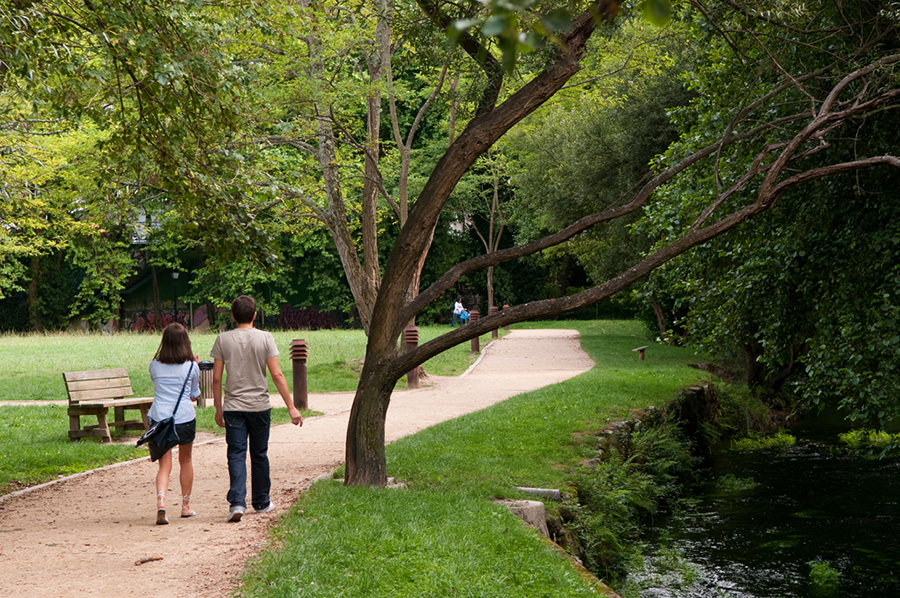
(365, 458)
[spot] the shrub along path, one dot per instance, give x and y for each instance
(87, 535)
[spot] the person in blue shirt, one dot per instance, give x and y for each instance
(173, 363)
(458, 309)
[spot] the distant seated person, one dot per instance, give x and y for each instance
(457, 312)
(463, 317)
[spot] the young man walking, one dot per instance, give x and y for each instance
(244, 409)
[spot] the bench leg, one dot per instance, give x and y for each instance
(101, 430)
(144, 410)
(74, 427)
(102, 425)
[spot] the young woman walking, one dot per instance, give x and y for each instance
(174, 372)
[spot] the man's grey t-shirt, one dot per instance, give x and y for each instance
(245, 352)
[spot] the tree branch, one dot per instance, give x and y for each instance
(478, 52)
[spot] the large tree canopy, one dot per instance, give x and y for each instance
(805, 294)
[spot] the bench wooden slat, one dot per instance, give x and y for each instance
(99, 383)
(133, 402)
(95, 374)
(100, 394)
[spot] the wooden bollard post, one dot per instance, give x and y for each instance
(493, 310)
(473, 317)
(506, 328)
(299, 355)
(411, 339)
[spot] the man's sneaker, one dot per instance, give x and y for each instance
(268, 509)
(235, 513)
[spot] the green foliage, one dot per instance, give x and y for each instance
(586, 152)
(803, 298)
(824, 576)
(755, 442)
(107, 264)
(59, 227)
(519, 26)
(877, 443)
(731, 483)
(126, 110)
(643, 475)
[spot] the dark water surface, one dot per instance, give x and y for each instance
(811, 502)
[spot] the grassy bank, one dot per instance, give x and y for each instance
(444, 536)
(34, 444)
(32, 364)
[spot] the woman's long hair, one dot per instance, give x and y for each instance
(175, 346)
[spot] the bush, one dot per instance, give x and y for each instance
(643, 474)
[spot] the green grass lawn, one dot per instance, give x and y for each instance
(32, 365)
(34, 443)
(444, 536)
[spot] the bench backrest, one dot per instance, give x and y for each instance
(97, 385)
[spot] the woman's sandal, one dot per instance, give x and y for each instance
(161, 509)
(186, 506)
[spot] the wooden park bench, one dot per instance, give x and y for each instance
(92, 393)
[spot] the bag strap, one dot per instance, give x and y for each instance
(183, 386)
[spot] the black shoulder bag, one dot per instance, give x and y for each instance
(162, 436)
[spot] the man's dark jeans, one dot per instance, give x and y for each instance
(248, 430)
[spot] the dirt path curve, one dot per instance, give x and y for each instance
(85, 535)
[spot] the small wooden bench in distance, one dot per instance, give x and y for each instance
(92, 393)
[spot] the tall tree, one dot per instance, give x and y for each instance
(340, 181)
(764, 298)
(776, 146)
(153, 81)
(802, 300)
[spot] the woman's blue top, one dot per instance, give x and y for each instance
(167, 381)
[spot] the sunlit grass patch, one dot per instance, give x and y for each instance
(340, 541)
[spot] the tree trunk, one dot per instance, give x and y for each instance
(377, 62)
(34, 318)
(157, 303)
(751, 365)
(490, 288)
(660, 318)
(365, 460)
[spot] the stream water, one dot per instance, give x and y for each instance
(761, 518)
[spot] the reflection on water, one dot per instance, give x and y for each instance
(809, 503)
